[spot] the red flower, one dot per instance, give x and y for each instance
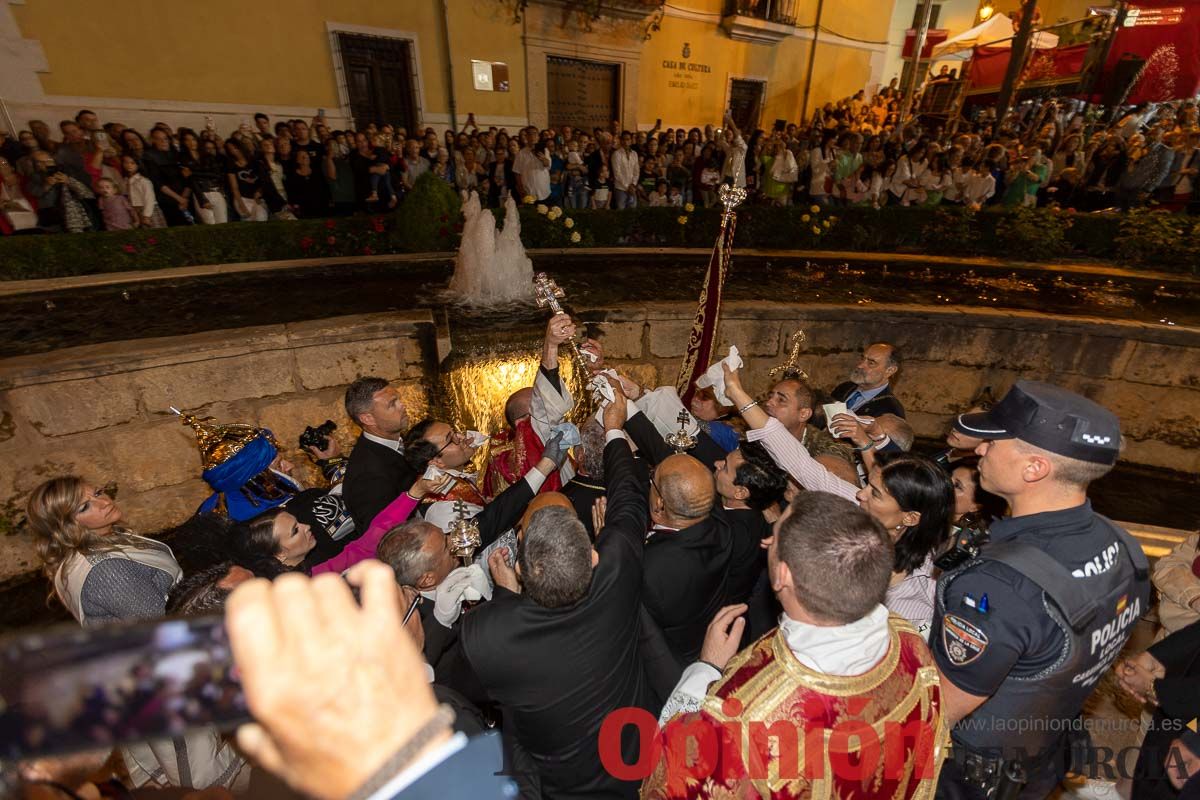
(367, 251)
(152, 240)
(331, 240)
(445, 217)
(330, 224)
(128, 248)
(306, 242)
(443, 231)
(377, 224)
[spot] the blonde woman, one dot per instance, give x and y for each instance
(100, 570)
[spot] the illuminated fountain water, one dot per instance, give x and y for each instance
(491, 268)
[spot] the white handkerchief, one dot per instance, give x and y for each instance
(602, 391)
(715, 376)
(832, 410)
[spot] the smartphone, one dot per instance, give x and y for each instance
(68, 689)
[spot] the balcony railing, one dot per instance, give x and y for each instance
(781, 12)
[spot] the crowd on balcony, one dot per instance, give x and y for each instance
(108, 176)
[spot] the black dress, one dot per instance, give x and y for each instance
(309, 194)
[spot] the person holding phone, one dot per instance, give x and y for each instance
(100, 570)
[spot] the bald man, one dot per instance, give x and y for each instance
(693, 561)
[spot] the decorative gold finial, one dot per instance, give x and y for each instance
(219, 443)
(792, 365)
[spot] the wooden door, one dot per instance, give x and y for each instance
(379, 80)
(582, 94)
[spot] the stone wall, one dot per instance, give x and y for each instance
(103, 411)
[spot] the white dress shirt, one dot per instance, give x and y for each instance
(625, 167)
(393, 444)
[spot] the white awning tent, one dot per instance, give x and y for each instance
(998, 27)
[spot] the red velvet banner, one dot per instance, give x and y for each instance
(990, 63)
(988, 66)
(708, 313)
(933, 37)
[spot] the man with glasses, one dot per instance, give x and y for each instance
(431, 443)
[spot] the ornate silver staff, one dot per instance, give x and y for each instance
(548, 293)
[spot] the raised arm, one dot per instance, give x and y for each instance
(395, 513)
(783, 447)
(628, 509)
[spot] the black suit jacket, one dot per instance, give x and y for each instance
(748, 528)
(692, 573)
(442, 653)
(375, 476)
(505, 510)
(883, 403)
(689, 575)
(1179, 703)
(1179, 692)
(583, 492)
(558, 672)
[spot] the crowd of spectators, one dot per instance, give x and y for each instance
(854, 152)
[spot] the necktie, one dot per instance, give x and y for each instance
(853, 401)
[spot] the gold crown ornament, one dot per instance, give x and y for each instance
(219, 443)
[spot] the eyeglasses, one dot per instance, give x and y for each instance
(451, 438)
(416, 601)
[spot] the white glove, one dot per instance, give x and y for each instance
(465, 583)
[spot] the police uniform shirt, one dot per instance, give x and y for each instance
(993, 623)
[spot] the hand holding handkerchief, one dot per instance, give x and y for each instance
(715, 376)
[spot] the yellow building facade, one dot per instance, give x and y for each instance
(430, 62)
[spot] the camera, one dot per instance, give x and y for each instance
(317, 437)
(971, 537)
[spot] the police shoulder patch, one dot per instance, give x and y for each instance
(963, 641)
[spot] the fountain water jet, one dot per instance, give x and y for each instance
(491, 268)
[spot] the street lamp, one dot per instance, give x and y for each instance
(986, 10)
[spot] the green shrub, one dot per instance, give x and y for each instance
(1156, 238)
(428, 220)
(1033, 234)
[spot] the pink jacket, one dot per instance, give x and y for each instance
(363, 548)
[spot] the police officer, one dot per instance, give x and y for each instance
(1023, 632)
